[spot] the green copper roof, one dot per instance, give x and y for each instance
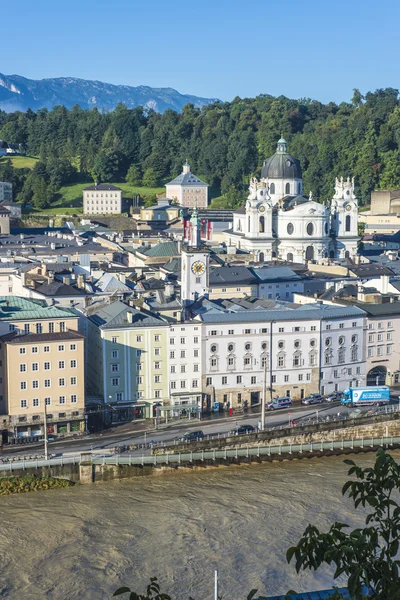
(163, 249)
(15, 308)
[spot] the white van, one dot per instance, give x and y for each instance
(284, 402)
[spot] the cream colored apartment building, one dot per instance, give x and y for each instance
(102, 199)
(41, 368)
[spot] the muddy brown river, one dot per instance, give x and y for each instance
(84, 542)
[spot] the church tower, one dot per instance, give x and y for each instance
(344, 219)
(194, 265)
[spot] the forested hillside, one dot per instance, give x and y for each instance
(224, 142)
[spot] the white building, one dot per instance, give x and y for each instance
(279, 221)
(311, 349)
(5, 191)
(102, 199)
(187, 189)
(185, 366)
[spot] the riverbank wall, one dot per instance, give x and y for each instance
(89, 470)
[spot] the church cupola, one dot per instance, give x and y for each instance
(282, 146)
(186, 167)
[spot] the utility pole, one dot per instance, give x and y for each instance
(264, 395)
(46, 454)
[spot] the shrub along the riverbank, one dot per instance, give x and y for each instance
(30, 483)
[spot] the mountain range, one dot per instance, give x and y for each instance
(20, 93)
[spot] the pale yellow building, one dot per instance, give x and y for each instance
(41, 368)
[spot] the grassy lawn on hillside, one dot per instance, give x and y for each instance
(20, 162)
(69, 197)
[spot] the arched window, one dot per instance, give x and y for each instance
(272, 188)
(354, 352)
(239, 226)
(347, 254)
(261, 257)
(341, 355)
(297, 362)
(331, 254)
(310, 253)
(262, 225)
(287, 188)
(248, 224)
(281, 359)
(328, 357)
(348, 223)
(299, 187)
(289, 257)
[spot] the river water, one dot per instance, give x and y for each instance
(84, 542)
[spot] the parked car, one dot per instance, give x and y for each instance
(312, 399)
(277, 403)
(334, 397)
(245, 429)
(192, 436)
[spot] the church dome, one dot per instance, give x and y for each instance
(281, 165)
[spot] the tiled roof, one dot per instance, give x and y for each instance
(102, 186)
(109, 283)
(187, 179)
(114, 315)
(16, 308)
(231, 275)
(275, 273)
(162, 249)
(30, 338)
(58, 288)
(304, 313)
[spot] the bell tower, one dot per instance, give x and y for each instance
(344, 218)
(194, 274)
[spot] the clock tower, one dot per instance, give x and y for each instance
(194, 274)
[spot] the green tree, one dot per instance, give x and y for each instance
(150, 178)
(133, 176)
(365, 556)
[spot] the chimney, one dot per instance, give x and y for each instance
(81, 281)
(50, 276)
(169, 290)
(122, 277)
(129, 316)
(52, 246)
(66, 279)
(384, 284)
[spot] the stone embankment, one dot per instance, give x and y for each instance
(291, 444)
(371, 426)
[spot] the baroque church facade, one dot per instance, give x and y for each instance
(279, 222)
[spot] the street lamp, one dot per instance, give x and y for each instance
(46, 455)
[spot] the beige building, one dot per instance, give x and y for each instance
(385, 202)
(102, 199)
(41, 367)
(5, 191)
(187, 189)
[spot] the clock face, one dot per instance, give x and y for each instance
(262, 209)
(198, 267)
(348, 208)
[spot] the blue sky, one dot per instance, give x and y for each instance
(219, 48)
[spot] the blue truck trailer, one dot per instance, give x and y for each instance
(366, 396)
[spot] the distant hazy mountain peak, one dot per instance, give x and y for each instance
(20, 93)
